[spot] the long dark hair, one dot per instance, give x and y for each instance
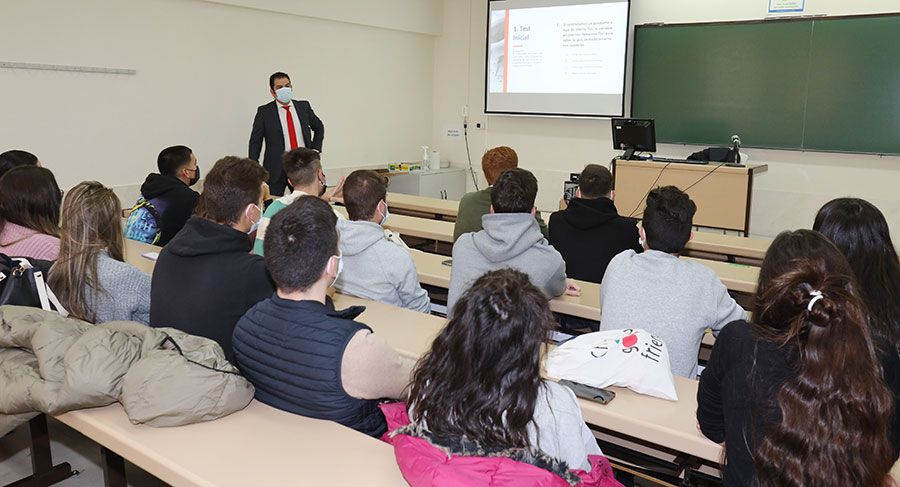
(836, 411)
(30, 197)
(91, 223)
(861, 232)
(482, 376)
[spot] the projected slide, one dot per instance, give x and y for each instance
(556, 59)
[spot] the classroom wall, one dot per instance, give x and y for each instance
(786, 196)
(202, 69)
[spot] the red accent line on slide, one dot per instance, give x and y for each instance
(505, 50)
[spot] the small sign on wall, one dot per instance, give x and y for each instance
(786, 6)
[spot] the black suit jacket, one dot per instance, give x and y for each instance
(267, 127)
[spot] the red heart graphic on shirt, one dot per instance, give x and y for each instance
(630, 340)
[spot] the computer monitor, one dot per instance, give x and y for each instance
(633, 135)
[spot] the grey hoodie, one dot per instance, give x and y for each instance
(378, 269)
(506, 240)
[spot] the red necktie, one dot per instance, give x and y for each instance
(290, 123)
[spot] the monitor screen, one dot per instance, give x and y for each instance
(636, 134)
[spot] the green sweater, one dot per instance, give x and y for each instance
(475, 205)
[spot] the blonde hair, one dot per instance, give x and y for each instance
(91, 223)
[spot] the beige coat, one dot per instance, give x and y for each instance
(162, 376)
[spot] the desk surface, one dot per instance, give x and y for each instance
(432, 272)
(730, 245)
(668, 423)
(259, 445)
(423, 204)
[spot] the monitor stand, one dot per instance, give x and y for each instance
(629, 153)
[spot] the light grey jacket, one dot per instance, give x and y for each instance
(162, 376)
(506, 240)
(671, 298)
(378, 269)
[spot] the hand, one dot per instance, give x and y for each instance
(572, 289)
(338, 190)
(267, 195)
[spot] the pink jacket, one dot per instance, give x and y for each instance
(424, 464)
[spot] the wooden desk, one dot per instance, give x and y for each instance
(722, 194)
(440, 231)
(669, 424)
(133, 255)
(433, 273)
(726, 245)
(259, 445)
(423, 204)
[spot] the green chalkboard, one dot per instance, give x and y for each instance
(829, 84)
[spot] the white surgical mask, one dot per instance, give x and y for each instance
(285, 94)
(254, 224)
(340, 267)
(385, 215)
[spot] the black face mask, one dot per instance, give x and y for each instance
(196, 177)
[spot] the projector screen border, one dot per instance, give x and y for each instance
(629, 64)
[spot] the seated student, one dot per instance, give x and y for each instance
(801, 395)
(375, 267)
(490, 354)
(510, 238)
(90, 277)
(673, 299)
(590, 232)
(303, 169)
(29, 213)
(206, 278)
(166, 201)
(860, 231)
(301, 354)
(16, 158)
(477, 204)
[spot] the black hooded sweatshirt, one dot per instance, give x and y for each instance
(588, 234)
(174, 201)
(206, 279)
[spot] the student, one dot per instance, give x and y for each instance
(90, 277)
(166, 201)
(510, 238)
(482, 382)
(29, 213)
(301, 354)
(477, 204)
(861, 232)
(304, 173)
(590, 232)
(799, 395)
(206, 278)
(673, 299)
(375, 267)
(16, 158)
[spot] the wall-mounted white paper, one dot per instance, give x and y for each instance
(782, 6)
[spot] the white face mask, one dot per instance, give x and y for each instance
(254, 224)
(284, 95)
(385, 215)
(340, 267)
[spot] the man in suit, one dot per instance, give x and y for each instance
(284, 124)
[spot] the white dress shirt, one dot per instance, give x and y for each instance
(282, 115)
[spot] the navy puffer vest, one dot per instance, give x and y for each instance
(291, 351)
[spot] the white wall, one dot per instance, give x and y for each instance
(787, 196)
(202, 69)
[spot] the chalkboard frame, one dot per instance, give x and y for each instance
(781, 19)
